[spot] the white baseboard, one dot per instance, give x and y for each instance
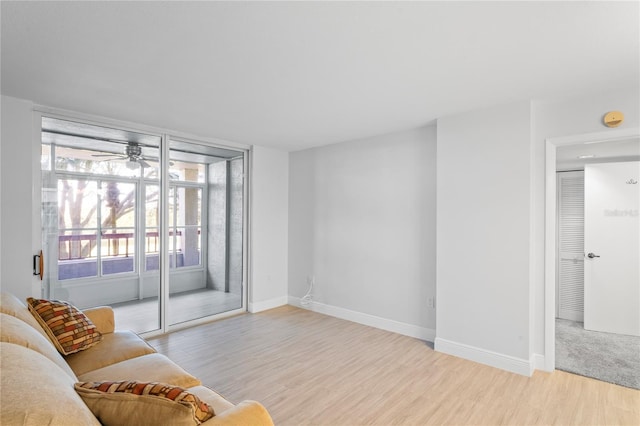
(256, 307)
(410, 330)
(539, 362)
(483, 356)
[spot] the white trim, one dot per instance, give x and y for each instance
(403, 328)
(163, 228)
(550, 227)
(538, 362)
(38, 288)
(483, 356)
(550, 258)
(534, 231)
(97, 120)
(248, 249)
(596, 137)
(247, 232)
(255, 307)
(248, 284)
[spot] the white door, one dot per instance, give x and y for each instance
(570, 291)
(612, 248)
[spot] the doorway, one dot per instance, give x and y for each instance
(150, 224)
(583, 342)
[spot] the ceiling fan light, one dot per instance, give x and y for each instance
(132, 164)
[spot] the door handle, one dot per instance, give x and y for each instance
(39, 263)
(591, 255)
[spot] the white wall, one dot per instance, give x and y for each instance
(362, 222)
(16, 200)
(559, 118)
(269, 228)
(483, 206)
(566, 117)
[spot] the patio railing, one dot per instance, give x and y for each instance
(82, 246)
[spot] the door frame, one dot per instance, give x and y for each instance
(40, 111)
(551, 145)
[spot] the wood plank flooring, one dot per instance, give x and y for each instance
(312, 369)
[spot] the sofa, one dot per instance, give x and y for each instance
(40, 386)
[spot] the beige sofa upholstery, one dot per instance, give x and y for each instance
(37, 382)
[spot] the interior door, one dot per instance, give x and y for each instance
(612, 248)
(570, 291)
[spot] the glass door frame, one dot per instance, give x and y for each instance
(165, 138)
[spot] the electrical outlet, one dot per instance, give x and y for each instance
(431, 302)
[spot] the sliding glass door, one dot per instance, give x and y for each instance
(152, 240)
(206, 223)
(100, 241)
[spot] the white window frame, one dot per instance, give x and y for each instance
(203, 225)
(139, 228)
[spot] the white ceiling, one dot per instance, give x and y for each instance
(299, 74)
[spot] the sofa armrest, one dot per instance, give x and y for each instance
(246, 413)
(102, 317)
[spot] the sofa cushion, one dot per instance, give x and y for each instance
(146, 368)
(215, 400)
(102, 317)
(70, 330)
(35, 391)
(11, 305)
(12, 330)
(246, 413)
(143, 403)
(115, 347)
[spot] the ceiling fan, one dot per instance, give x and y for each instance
(132, 153)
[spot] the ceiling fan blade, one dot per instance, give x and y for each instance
(105, 155)
(143, 163)
(111, 159)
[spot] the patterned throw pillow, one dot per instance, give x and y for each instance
(134, 402)
(70, 330)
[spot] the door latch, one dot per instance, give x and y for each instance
(591, 255)
(38, 264)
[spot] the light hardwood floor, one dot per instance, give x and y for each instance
(312, 369)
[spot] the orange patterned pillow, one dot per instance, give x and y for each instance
(70, 330)
(143, 402)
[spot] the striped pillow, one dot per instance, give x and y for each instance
(70, 330)
(134, 402)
